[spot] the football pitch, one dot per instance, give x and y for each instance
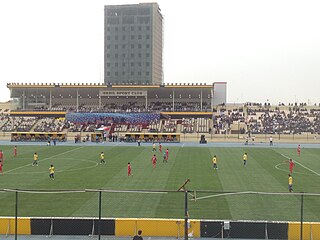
(232, 192)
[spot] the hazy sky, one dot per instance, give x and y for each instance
(262, 49)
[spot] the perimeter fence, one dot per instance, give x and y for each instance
(105, 214)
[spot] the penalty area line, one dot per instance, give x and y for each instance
(17, 168)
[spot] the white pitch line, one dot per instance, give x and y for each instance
(301, 165)
(11, 170)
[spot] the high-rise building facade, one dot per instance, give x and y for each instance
(133, 44)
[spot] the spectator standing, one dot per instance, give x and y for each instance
(271, 141)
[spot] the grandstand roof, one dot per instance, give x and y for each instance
(100, 85)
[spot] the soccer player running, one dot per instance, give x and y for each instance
(160, 147)
(15, 151)
(102, 158)
(154, 147)
(299, 150)
(214, 162)
(129, 169)
(291, 165)
(245, 158)
(290, 182)
(164, 157)
(154, 161)
(35, 159)
(51, 172)
(167, 154)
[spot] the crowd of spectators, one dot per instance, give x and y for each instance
(292, 121)
(123, 106)
(169, 125)
(20, 124)
(48, 124)
(253, 118)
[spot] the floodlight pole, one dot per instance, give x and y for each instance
(201, 99)
(50, 100)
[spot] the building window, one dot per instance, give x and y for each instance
(147, 73)
(108, 73)
(148, 45)
(148, 27)
(139, 73)
(123, 28)
(123, 64)
(132, 73)
(132, 64)
(116, 28)
(116, 46)
(139, 64)
(139, 55)
(116, 37)
(108, 37)
(108, 64)
(123, 73)
(123, 55)
(108, 29)
(132, 37)
(147, 64)
(147, 54)
(132, 55)
(108, 46)
(139, 37)
(116, 64)
(116, 73)
(123, 37)
(132, 45)
(139, 28)
(132, 28)
(147, 36)
(108, 55)
(139, 45)
(116, 55)
(123, 46)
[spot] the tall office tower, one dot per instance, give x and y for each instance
(133, 44)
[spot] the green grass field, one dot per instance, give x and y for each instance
(77, 168)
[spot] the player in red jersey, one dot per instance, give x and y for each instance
(160, 147)
(299, 150)
(1, 156)
(291, 165)
(15, 151)
(167, 154)
(129, 169)
(154, 161)
(1, 168)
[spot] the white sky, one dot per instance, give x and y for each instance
(263, 49)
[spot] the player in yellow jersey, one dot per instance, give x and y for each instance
(214, 162)
(35, 159)
(154, 147)
(102, 158)
(290, 182)
(51, 171)
(245, 158)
